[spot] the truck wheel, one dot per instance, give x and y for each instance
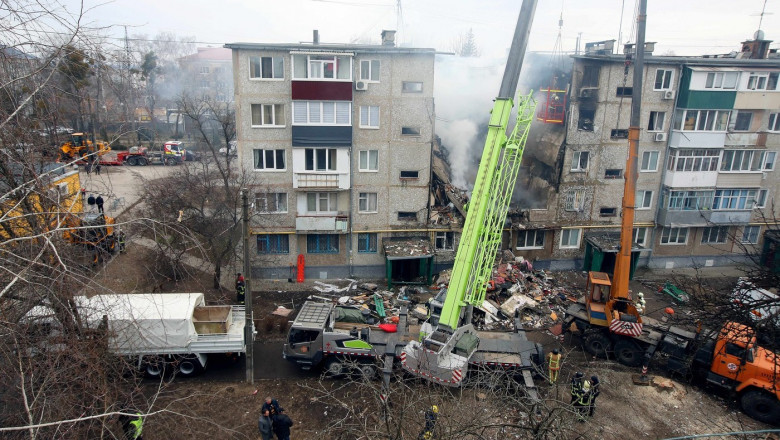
(141, 161)
(189, 366)
(628, 353)
(761, 405)
(598, 344)
(132, 161)
(366, 371)
(334, 368)
(154, 367)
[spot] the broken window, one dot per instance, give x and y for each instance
(625, 92)
(613, 173)
(445, 241)
(619, 133)
(408, 216)
(410, 131)
(608, 212)
(530, 239)
(590, 76)
(586, 119)
(579, 161)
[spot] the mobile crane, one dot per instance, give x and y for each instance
(449, 340)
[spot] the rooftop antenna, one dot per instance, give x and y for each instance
(399, 21)
(760, 20)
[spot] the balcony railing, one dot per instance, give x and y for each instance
(316, 223)
(317, 180)
(701, 217)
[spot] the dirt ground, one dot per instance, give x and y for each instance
(207, 407)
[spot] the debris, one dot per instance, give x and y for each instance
(282, 311)
(663, 383)
(517, 302)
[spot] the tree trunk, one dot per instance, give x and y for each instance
(217, 275)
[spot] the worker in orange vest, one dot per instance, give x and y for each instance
(553, 365)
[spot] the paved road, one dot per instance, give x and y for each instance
(268, 364)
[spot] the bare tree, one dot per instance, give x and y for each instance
(465, 45)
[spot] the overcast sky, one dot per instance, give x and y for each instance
(684, 27)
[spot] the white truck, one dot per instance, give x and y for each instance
(159, 331)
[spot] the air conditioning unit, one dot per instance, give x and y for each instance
(589, 92)
(669, 94)
(659, 137)
(361, 85)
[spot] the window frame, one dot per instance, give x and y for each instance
(371, 69)
(755, 160)
(721, 235)
(745, 232)
(684, 160)
(761, 198)
(321, 112)
(368, 168)
(411, 131)
(678, 232)
(653, 124)
(578, 155)
(635, 235)
(719, 79)
(273, 76)
(734, 199)
(649, 154)
(364, 203)
(277, 197)
(369, 125)
(298, 57)
(274, 118)
(331, 160)
(574, 201)
(263, 154)
(774, 119)
(330, 245)
(568, 232)
(367, 242)
(666, 81)
(646, 204)
(757, 78)
(280, 247)
(411, 86)
(537, 241)
(331, 198)
(739, 121)
(447, 237)
(681, 116)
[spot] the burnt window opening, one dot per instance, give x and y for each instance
(608, 212)
(407, 216)
(410, 131)
(590, 76)
(410, 174)
(625, 91)
(613, 173)
(586, 119)
(621, 133)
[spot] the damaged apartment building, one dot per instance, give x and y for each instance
(707, 178)
(338, 141)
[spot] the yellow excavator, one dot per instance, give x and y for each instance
(95, 231)
(80, 147)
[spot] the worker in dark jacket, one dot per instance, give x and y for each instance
(265, 426)
(271, 405)
(282, 425)
(576, 386)
(595, 390)
(240, 289)
(430, 423)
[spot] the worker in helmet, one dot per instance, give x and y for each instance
(595, 390)
(553, 365)
(576, 386)
(640, 302)
(582, 404)
(430, 423)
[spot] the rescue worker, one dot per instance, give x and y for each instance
(121, 241)
(553, 365)
(282, 424)
(264, 426)
(582, 403)
(576, 386)
(430, 423)
(134, 427)
(99, 202)
(640, 303)
(240, 289)
(595, 390)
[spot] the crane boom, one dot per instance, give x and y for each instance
(444, 353)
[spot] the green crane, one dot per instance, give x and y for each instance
(451, 339)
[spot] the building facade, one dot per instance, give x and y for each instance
(338, 139)
(709, 140)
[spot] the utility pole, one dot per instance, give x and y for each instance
(249, 325)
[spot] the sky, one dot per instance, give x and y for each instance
(684, 28)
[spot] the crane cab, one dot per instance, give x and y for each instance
(598, 289)
(607, 310)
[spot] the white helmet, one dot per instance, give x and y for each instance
(641, 295)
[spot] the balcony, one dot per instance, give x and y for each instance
(320, 181)
(690, 179)
(325, 224)
(697, 139)
(702, 218)
(746, 139)
(730, 217)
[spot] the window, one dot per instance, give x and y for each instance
(320, 159)
(579, 161)
(366, 242)
(367, 202)
(412, 87)
(640, 236)
(747, 160)
(714, 235)
(750, 234)
(644, 199)
(445, 241)
(663, 79)
(369, 116)
(271, 202)
(204, 70)
(369, 70)
(322, 67)
(772, 83)
(607, 212)
(322, 244)
(322, 202)
(322, 113)
(625, 91)
(575, 200)
(656, 122)
(620, 133)
(674, 236)
(757, 81)
(701, 120)
(267, 115)
(721, 80)
(774, 122)
(269, 160)
(692, 160)
(649, 161)
(613, 173)
(590, 76)
(406, 215)
(266, 68)
(570, 238)
(410, 131)
(530, 239)
(743, 121)
(273, 244)
(689, 200)
(409, 174)
(369, 160)
(585, 122)
(734, 199)
(761, 198)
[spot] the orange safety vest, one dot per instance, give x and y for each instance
(555, 361)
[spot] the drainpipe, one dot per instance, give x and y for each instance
(349, 229)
